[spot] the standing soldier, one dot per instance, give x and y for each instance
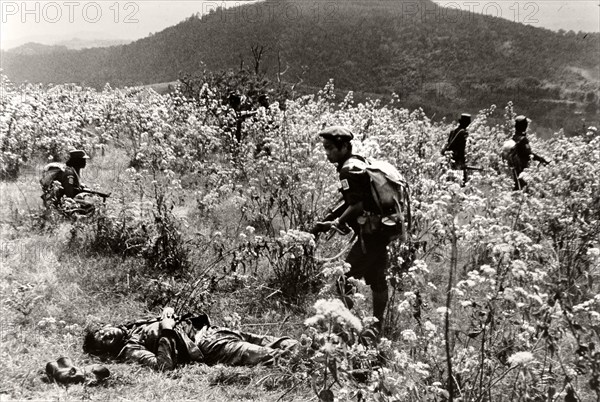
(518, 153)
(457, 143)
(368, 256)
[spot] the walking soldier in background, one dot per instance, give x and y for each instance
(457, 143)
(517, 152)
(368, 257)
(591, 133)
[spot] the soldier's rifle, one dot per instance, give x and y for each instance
(475, 168)
(334, 213)
(337, 211)
(177, 318)
(104, 196)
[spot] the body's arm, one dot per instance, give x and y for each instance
(163, 359)
(153, 345)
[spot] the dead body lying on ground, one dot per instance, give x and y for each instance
(166, 343)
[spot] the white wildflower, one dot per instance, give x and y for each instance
(335, 309)
(522, 358)
(486, 269)
(429, 326)
(442, 311)
(409, 335)
(314, 320)
(403, 306)
(328, 348)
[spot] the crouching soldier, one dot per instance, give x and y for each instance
(167, 343)
(62, 186)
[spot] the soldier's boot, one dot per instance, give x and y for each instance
(380, 300)
(95, 374)
(64, 372)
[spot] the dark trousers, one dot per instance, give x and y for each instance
(519, 183)
(368, 259)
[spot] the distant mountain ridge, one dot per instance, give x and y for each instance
(444, 61)
(78, 43)
(32, 49)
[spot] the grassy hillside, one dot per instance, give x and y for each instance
(444, 61)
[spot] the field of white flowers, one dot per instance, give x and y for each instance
(500, 301)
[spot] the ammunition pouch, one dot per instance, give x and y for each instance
(369, 223)
(392, 224)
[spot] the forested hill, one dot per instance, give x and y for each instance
(444, 60)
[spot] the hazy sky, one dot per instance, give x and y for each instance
(49, 22)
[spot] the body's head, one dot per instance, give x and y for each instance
(106, 341)
(77, 159)
(465, 120)
(521, 123)
(336, 142)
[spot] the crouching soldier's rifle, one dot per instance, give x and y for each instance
(104, 196)
(474, 168)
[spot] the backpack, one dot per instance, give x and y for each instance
(50, 173)
(391, 193)
(509, 153)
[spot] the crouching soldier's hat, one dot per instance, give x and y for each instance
(337, 134)
(78, 154)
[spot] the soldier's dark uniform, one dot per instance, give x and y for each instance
(70, 183)
(457, 143)
(71, 186)
(368, 257)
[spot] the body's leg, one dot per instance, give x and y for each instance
(242, 349)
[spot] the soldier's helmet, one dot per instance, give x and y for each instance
(521, 123)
